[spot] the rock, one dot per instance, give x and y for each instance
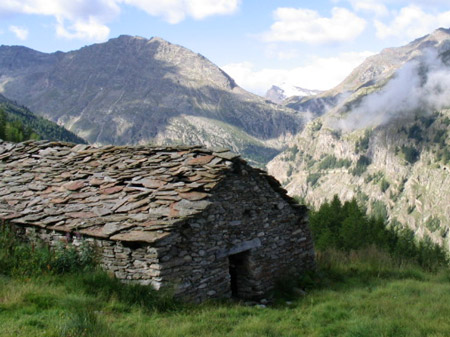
(152, 183)
(111, 190)
(74, 185)
(299, 291)
(193, 196)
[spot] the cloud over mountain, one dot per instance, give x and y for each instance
(305, 25)
(320, 73)
(412, 21)
(422, 84)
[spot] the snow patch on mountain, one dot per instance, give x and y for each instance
(278, 93)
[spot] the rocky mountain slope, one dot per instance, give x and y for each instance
(278, 93)
(132, 90)
(372, 74)
(19, 122)
(385, 142)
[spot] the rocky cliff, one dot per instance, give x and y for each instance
(132, 90)
(385, 142)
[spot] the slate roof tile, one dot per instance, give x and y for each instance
(127, 193)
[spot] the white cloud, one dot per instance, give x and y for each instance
(200, 9)
(305, 25)
(321, 73)
(20, 32)
(412, 22)
(83, 19)
(88, 19)
(275, 51)
(374, 6)
(174, 11)
(428, 2)
(89, 30)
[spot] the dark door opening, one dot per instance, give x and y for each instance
(240, 275)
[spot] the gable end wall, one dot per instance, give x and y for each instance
(246, 215)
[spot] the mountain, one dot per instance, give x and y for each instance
(372, 74)
(278, 93)
(386, 141)
(17, 123)
(132, 90)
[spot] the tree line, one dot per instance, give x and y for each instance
(15, 131)
(18, 124)
(345, 226)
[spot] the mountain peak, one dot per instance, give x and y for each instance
(136, 38)
(442, 29)
(158, 39)
(132, 90)
(440, 34)
(278, 93)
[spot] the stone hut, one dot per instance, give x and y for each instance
(202, 221)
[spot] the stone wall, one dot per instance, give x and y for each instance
(136, 263)
(247, 221)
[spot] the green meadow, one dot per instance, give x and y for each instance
(370, 280)
(363, 293)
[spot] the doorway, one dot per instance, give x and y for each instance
(240, 275)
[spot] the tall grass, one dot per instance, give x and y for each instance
(364, 292)
(34, 257)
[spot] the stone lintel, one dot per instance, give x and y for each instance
(239, 248)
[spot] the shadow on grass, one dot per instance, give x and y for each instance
(101, 286)
(344, 271)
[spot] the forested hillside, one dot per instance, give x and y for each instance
(18, 124)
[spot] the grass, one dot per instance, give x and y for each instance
(363, 293)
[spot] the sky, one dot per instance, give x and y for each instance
(260, 43)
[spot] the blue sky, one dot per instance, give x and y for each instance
(313, 44)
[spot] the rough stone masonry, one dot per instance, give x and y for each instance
(202, 221)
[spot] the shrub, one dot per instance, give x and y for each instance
(410, 153)
(361, 166)
(362, 144)
(336, 134)
(313, 178)
(440, 137)
(330, 162)
(410, 209)
(317, 125)
(289, 170)
(291, 153)
(25, 259)
(415, 132)
(384, 185)
(433, 224)
(428, 120)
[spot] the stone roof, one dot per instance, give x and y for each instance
(124, 193)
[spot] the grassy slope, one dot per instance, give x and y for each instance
(362, 294)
